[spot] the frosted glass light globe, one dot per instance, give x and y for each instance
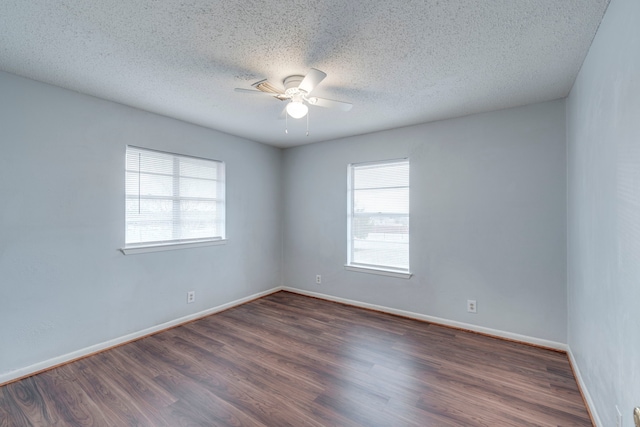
(297, 109)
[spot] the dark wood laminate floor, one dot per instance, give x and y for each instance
(289, 360)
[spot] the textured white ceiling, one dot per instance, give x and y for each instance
(398, 62)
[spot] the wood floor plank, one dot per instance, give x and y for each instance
(126, 374)
(290, 360)
(230, 382)
(26, 395)
(114, 400)
(70, 403)
(10, 413)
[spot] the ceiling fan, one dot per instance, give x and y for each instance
(297, 90)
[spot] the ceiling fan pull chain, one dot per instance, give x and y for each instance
(286, 122)
(308, 123)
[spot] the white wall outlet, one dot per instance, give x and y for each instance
(471, 306)
(191, 297)
(618, 417)
(318, 279)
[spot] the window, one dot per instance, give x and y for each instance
(378, 216)
(172, 199)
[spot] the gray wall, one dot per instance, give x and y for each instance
(603, 117)
(488, 196)
(63, 283)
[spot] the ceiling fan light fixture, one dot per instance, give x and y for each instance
(297, 109)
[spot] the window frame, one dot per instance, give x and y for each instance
(364, 267)
(178, 243)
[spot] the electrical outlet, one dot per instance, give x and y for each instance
(471, 306)
(318, 279)
(618, 417)
(191, 297)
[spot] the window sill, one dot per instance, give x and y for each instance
(379, 271)
(132, 250)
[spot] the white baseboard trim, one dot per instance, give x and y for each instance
(585, 391)
(455, 324)
(78, 354)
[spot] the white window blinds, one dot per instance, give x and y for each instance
(378, 226)
(172, 198)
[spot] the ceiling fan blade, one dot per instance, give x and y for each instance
(259, 92)
(329, 103)
(311, 80)
(265, 86)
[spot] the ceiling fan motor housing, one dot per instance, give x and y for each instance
(291, 84)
